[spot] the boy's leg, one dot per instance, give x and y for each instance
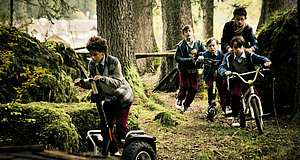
(209, 83)
(182, 85)
(192, 83)
(121, 121)
(110, 112)
(223, 92)
(236, 98)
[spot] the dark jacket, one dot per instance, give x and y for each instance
(183, 55)
(207, 65)
(114, 86)
(228, 34)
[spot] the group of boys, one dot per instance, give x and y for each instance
(238, 44)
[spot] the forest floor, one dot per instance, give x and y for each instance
(196, 138)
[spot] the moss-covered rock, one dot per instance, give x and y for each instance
(166, 119)
(277, 41)
(58, 126)
(61, 62)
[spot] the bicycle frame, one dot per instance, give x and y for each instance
(247, 107)
(249, 97)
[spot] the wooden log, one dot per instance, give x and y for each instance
(174, 71)
(11, 149)
(157, 54)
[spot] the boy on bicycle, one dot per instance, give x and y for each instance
(213, 53)
(239, 62)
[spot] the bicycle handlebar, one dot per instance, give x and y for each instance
(258, 70)
(212, 60)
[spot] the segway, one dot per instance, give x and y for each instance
(137, 144)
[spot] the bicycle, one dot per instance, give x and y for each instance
(212, 111)
(251, 103)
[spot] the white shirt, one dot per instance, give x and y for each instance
(191, 45)
(241, 57)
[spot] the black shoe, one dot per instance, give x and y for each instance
(186, 109)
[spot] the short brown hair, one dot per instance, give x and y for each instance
(210, 40)
(97, 43)
(186, 28)
(240, 12)
(240, 41)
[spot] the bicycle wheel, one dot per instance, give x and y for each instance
(258, 119)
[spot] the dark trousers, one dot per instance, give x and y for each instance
(188, 86)
(236, 88)
(118, 116)
(209, 82)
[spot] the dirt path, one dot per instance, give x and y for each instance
(196, 138)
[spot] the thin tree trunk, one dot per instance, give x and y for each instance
(144, 40)
(114, 23)
(175, 15)
(208, 18)
(11, 12)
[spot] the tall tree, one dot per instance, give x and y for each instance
(144, 40)
(175, 15)
(269, 7)
(114, 23)
(208, 18)
(297, 96)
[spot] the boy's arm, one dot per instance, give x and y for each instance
(178, 56)
(225, 38)
(253, 41)
(202, 48)
(223, 67)
(257, 59)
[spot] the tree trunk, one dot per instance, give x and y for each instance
(297, 93)
(175, 15)
(11, 12)
(114, 23)
(208, 18)
(144, 40)
(269, 7)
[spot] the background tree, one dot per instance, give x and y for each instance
(269, 7)
(297, 96)
(22, 10)
(175, 15)
(207, 7)
(114, 23)
(144, 40)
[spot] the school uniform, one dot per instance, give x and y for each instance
(208, 74)
(116, 93)
(231, 29)
(187, 70)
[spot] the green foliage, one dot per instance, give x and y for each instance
(58, 126)
(277, 41)
(50, 9)
(134, 79)
(133, 122)
(61, 62)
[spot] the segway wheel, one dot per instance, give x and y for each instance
(138, 150)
